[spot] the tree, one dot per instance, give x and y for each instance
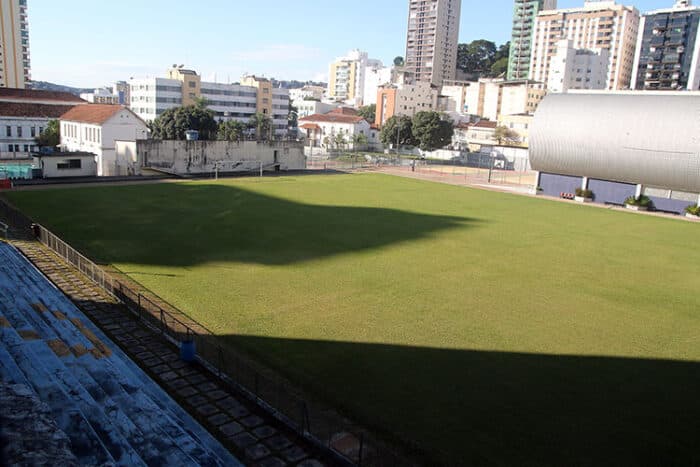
(399, 61)
(476, 56)
(292, 116)
(431, 131)
(51, 136)
(397, 130)
(499, 67)
(339, 141)
(173, 123)
(504, 134)
(261, 124)
(359, 140)
(368, 112)
(232, 130)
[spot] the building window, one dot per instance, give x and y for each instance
(19, 131)
(191, 84)
(26, 148)
(8, 130)
(32, 130)
(69, 164)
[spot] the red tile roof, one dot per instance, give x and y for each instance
(15, 94)
(485, 124)
(344, 111)
(310, 126)
(31, 110)
(92, 113)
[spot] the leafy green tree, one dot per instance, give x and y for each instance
(51, 136)
(339, 141)
(476, 56)
(399, 61)
(262, 124)
(431, 131)
(359, 140)
(499, 67)
(232, 130)
(292, 116)
(173, 123)
(368, 112)
(502, 52)
(397, 130)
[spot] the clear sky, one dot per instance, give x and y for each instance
(91, 43)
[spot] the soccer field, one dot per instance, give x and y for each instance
(488, 328)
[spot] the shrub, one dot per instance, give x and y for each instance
(643, 201)
(584, 193)
(693, 209)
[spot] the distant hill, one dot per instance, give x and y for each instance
(46, 86)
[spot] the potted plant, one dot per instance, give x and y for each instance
(692, 211)
(643, 203)
(583, 195)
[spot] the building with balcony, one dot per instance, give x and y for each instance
(668, 49)
(346, 77)
(14, 44)
(490, 97)
(150, 97)
(432, 39)
(524, 15)
(597, 25)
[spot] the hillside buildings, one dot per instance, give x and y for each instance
(524, 16)
(150, 97)
(24, 114)
(597, 25)
(432, 39)
(668, 49)
(14, 44)
(94, 128)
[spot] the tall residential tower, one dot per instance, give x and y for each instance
(668, 49)
(598, 25)
(14, 44)
(524, 15)
(431, 41)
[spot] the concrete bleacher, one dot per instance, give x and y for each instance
(111, 411)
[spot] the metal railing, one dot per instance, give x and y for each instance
(323, 428)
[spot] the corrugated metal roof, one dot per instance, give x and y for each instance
(650, 139)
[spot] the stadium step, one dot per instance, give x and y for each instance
(111, 411)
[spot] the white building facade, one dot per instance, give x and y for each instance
(94, 128)
(572, 68)
(323, 130)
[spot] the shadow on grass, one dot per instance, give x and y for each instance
(190, 224)
(464, 407)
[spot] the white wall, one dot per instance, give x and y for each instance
(25, 142)
(197, 157)
(49, 166)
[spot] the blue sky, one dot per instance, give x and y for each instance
(96, 42)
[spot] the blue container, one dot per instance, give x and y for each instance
(187, 351)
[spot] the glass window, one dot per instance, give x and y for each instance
(8, 130)
(19, 131)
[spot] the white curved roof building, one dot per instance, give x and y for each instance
(652, 139)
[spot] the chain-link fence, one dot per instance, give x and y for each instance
(345, 441)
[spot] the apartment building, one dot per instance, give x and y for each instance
(668, 49)
(572, 68)
(524, 16)
(346, 77)
(14, 44)
(150, 97)
(432, 39)
(597, 25)
(404, 100)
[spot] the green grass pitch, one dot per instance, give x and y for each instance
(488, 328)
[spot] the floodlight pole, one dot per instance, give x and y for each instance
(261, 165)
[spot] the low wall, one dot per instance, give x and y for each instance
(197, 157)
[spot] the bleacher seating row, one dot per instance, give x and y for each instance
(111, 411)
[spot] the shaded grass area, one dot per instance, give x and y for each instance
(486, 327)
